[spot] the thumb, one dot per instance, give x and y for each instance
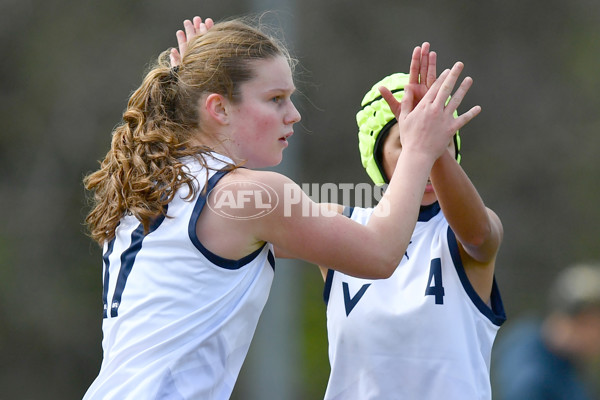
(394, 104)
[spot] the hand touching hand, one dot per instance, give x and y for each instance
(429, 125)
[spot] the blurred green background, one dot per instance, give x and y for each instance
(69, 67)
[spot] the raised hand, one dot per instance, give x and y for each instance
(422, 75)
(192, 28)
(429, 125)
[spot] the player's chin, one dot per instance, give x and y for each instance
(273, 160)
(429, 197)
(279, 153)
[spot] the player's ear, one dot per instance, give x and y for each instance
(217, 108)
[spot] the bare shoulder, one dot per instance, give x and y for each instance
(238, 205)
(249, 176)
(245, 194)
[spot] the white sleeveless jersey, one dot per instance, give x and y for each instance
(422, 334)
(178, 319)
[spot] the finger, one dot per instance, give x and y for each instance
(197, 22)
(388, 96)
(459, 95)
(431, 70)
(181, 43)
(447, 85)
(424, 62)
(174, 57)
(203, 27)
(190, 31)
(415, 62)
(464, 119)
(431, 94)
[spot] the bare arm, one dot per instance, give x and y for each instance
(370, 251)
(373, 250)
(478, 229)
(324, 209)
(302, 230)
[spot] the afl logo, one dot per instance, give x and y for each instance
(243, 200)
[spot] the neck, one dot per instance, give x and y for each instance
(220, 145)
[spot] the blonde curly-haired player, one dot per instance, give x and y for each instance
(188, 243)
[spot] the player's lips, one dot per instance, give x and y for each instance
(428, 187)
(287, 135)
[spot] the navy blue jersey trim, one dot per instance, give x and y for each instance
(327, 288)
(128, 259)
(212, 257)
(496, 313)
(428, 212)
(106, 260)
(271, 259)
(329, 278)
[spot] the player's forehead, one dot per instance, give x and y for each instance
(269, 75)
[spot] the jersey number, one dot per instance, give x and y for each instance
(435, 276)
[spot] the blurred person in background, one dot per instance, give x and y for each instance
(552, 358)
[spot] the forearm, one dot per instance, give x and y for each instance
(475, 226)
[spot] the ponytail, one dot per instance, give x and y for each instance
(143, 169)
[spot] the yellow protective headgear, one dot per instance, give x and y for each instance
(374, 121)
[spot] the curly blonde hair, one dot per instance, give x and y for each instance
(144, 167)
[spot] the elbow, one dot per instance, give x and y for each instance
(378, 269)
(478, 237)
(387, 273)
(484, 246)
(477, 241)
(488, 232)
(388, 260)
(383, 256)
(386, 268)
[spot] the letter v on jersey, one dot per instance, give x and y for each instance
(350, 302)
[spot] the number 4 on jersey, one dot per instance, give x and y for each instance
(435, 275)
